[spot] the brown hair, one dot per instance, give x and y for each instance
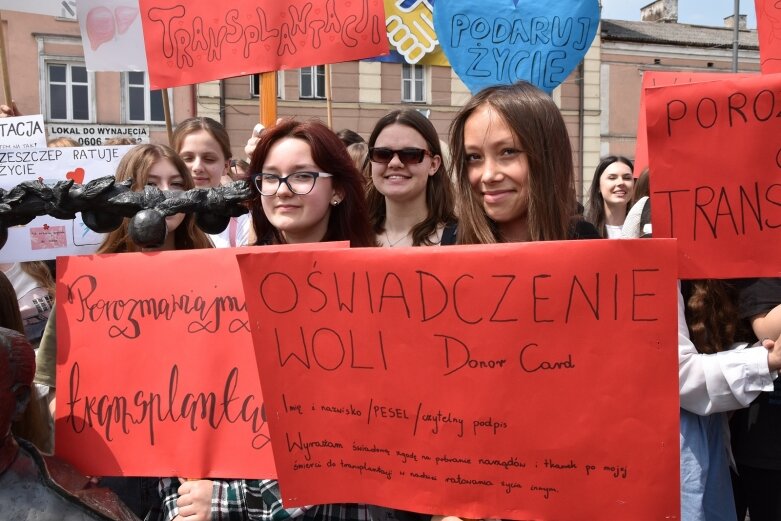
(359, 153)
(213, 127)
(33, 425)
(41, 273)
(538, 126)
(349, 220)
(119, 140)
(62, 142)
(711, 315)
(595, 214)
(136, 165)
(10, 316)
(642, 185)
(439, 190)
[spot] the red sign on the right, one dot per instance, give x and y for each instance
(715, 154)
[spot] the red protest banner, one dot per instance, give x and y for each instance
(155, 368)
(714, 175)
(201, 40)
(769, 34)
(661, 79)
(485, 381)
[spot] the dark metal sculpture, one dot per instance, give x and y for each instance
(34, 487)
(104, 203)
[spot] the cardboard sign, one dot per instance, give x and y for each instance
(201, 40)
(23, 132)
(155, 369)
(769, 34)
(659, 79)
(715, 167)
(502, 41)
(497, 381)
(112, 35)
(45, 237)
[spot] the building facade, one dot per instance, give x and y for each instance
(599, 100)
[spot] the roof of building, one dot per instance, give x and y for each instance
(676, 34)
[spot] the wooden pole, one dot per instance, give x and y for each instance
(167, 114)
(268, 98)
(329, 110)
(4, 66)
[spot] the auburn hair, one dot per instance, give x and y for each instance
(348, 221)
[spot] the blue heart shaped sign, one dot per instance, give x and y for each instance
(492, 42)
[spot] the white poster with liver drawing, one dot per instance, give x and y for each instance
(111, 35)
(45, 237)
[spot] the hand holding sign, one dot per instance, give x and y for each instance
(503, 41)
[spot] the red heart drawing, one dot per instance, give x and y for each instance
(77, 175)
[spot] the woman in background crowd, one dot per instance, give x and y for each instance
(204, 145)
(610, 195)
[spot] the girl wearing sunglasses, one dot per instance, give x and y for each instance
(410, 196)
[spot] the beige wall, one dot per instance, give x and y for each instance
(61, 38)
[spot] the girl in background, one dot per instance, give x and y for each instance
(611, 195)
(204, 145)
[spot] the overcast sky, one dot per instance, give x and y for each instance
(699, 12)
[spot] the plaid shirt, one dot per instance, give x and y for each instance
(254, 500)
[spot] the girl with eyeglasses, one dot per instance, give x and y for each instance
(307, 188)
(410, 196)
(204, 145)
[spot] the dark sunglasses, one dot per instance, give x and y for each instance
(408, 156)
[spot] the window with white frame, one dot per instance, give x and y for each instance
(69, 92)
(142, 104)
(312, 82)
(255, 85)
(413, 83)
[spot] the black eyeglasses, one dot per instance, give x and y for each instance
(408, 156)
(300, 183)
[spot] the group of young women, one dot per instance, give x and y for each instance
(510, 179)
